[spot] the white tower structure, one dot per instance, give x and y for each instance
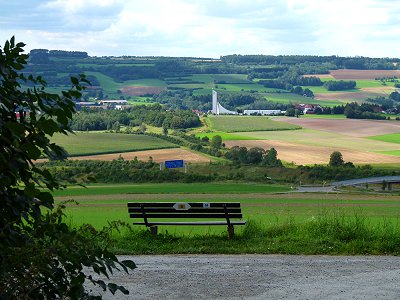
(218, 109)
(214, 103)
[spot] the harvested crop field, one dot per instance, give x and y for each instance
(304, 154)
(160, 155)
(320, 75)
(349, 96)
(141, 90)
(349, 127)
(347, 74)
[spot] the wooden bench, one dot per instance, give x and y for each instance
(148, 211)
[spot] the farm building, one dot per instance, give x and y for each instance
(262, 112)
(113, 102)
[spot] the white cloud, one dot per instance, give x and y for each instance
(206, 28)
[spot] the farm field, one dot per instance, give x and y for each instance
(158, 156)
(247, 123)
(225, 136)
(293, 98)
(91, 143)
(347, 74)
(302, 154)
(265, 208)
(320, 137)
(391, 138)
(349, 127)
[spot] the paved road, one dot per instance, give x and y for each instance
(262, 277)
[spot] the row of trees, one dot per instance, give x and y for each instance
(364, 111)
(340, 85)
(336, 62)
(254, 156)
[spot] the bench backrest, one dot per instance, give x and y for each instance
(148, 210)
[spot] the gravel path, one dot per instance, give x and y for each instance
(261, 277)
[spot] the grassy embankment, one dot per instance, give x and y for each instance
(277, 223)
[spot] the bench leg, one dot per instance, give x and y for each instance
(154, 229)
(231, 231)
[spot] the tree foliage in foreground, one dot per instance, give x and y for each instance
(40, 256)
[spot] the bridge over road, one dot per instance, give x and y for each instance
(386, 181)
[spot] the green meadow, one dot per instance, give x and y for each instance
(293, 98)
(277, 221)
(90, 143)
(225, 136)
(391, 138)
(247, 123)
(170, 188)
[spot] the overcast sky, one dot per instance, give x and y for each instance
(206, 28)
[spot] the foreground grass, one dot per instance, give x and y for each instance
(171, 188)
(325, 234)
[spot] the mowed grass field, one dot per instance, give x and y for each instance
(391, 138)
(247, 123)
(264, 204)
(91, 143)
(225, 136)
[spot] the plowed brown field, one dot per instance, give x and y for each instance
(349, 127)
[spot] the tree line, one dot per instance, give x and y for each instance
(155, 114)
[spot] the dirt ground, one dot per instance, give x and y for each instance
(141, 90)
(349, 127)
(255, 276)
(345, 74)
(160, 155)
(347, 96)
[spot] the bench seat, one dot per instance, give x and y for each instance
(151, 212)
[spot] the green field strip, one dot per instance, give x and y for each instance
(144, 82)
(172, 188)
(248, 123)
(89, 143)
(390, 138)
(225, 136)
(394, 152)
(293, 98)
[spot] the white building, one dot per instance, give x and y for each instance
(218, 109)
(262, 112)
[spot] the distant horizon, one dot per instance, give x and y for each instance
(213, 58)
(205, 28)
